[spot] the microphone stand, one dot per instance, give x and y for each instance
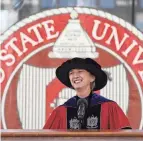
(82, 105)
(81, 123)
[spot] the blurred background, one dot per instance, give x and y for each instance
(13, 11)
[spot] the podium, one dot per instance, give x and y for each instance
(71, 135)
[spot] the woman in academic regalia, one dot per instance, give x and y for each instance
(86, 110)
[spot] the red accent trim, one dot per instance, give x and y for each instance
(11, 112)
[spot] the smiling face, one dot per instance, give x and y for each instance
(81, 79)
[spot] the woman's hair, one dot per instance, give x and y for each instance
(92, 85)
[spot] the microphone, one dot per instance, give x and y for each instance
(82, 105)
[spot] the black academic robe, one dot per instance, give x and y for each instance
(102, 113)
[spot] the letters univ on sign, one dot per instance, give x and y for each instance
(33, 48)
